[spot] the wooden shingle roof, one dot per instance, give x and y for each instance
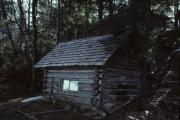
(93, 51)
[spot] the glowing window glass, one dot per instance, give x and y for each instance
(70, 85)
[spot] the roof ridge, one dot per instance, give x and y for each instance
(85, 39)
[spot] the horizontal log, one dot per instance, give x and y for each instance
(81, 87)
(127, 63)
(114, 98)
(59, 85)
(121, 70)
(120, 91)
(123, 93)
(121, 75)
(123, 58)
(124, 66)
(79, 100)
(68, 98)
(70, 93)
(116, 101)
(122, 86)
(85, 87)
(86, 81)
(79, 94)
(72, 71)
(81, 81)
(72, 75)
(117, 80)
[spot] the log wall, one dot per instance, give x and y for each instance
(53, 84)
(121, 81)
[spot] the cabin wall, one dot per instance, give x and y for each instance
(86, 78)
(121, 82)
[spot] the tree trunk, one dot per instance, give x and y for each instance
(29, 28)
(110, 8)
(0, 13)
(100, 10)
(34, 54)
(29, 9)
(86, 17)
(22, 25)
(8, 31)
(70, 12)
(22, 16)
(176, 14)
(49, 17)
(58, 21)
(34, 11)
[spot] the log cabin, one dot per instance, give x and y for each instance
(99, 72)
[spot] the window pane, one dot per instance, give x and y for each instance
(74, 85)
(66, 85)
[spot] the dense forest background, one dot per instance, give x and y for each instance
(30, 28)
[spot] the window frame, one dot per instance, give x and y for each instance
(69, 85)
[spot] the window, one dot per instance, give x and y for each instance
(70, 85)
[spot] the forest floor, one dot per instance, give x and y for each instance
(161, 104)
